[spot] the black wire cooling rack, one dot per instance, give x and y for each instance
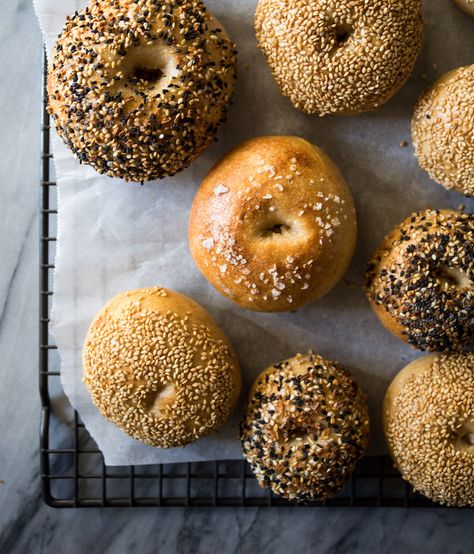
(73, 473)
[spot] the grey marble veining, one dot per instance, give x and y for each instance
(26, 525)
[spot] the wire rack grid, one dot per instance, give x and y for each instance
(73, 473)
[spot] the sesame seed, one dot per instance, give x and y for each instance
(345, 57)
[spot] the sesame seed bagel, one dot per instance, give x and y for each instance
(339, 57)
(466, 5)
(157, 365)
(443, 130)
(429, 426)
(420, 282)
(305, 428)
(273, 225)
(138, 88)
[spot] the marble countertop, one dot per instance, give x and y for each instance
(28, 526)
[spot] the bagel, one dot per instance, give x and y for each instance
(273, 225)
(305, 428)
(466, 5)
(429, 426)
(420, 282)
(137, 88)
(443, 130)
(339, 57)
(157, 365)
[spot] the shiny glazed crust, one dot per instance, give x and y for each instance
(273, 225)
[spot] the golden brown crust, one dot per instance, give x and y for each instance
(138, 88)
(305, 428)
(158, 366)
(443, 130)
(420, 282)
(428, 418)
(466, 5)
(273, 224)
(338, 57)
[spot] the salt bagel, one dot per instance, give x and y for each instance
(273, 224)
(138, 88)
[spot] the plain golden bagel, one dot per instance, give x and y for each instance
(138, 88)
(273, 225)
(339, 57)
(305, 427)
(158, 366)
(429, 426)
(466, 5)
(420, 281)
(443, 130)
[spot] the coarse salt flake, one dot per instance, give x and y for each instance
(220, 189)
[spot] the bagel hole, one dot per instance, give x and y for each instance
(274, 228)
(146, 74)
(343, 33)
(463, 436)
(147, 69)
(278, 228)
(453, 277)
(156, 400)
(292, 433)
(468, 438)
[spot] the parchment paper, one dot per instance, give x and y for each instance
(115, 236)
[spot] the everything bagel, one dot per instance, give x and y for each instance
(138, 89)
